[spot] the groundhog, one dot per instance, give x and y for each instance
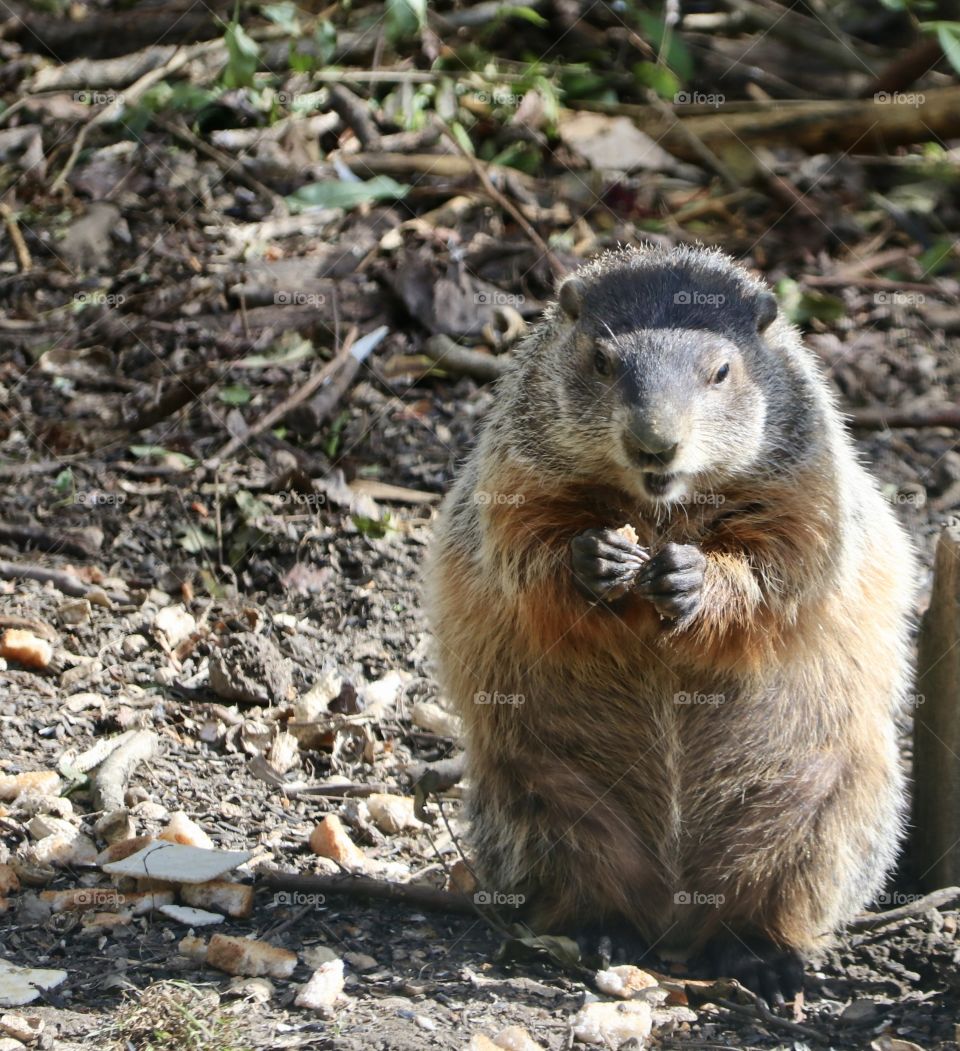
(673, 611)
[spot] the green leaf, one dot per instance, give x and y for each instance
(145, 452)
(243, 57)
(63, 483)
(283, 14)
(405, 19)
(678, 58)
(235, 395)
(659, 77)
(332, 443)
(211, 585)
(290, 348)
(583, 83)
(521, 155)
(372, 527)
(251, 509)
(331, 194)
(525, 14)
(181, 97)
(193, 539)
(936, 258)
(802, 307)
(948, 33)
(459, 132)
(325, 37)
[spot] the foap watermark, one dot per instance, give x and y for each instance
(298, 899)
(698, 98)
(296, 298)
(494, 298)
(496, 698)
(290, 496)
(894, 899)
(694, 897)
(98, 98)
(99, 299)
(701, 499)
(494, 897)
(305, 100)
(915, 700)
(98, 498)
(499, 98)
(909, 497)
(699, 299)
(899, 299)
(900, 98)
(710, 700)
(99, 897)
(485, 498)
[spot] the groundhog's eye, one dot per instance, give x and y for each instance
(601, 363)
(722, 373)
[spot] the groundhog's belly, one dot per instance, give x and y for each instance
(668, 793)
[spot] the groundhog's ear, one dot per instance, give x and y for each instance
(765, 310)
(571, 296)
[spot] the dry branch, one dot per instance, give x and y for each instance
(830, 126)
(45, 540)
(936, 727)
(110, 782)
(65, 582)
(364, 887)
(947, 897)
(462, 361)
(881, 418)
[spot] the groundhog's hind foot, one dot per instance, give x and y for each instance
(603, 944)
(766, 969)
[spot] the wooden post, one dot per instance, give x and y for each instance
(936, 728)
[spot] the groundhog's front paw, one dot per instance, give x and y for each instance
(673, 580)
(605, 564)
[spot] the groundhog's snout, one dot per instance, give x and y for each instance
(651, 440)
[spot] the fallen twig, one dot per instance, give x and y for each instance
(299, 396)
(184, 390)
(230, 166)
(814, 126)
(354, 114)
(24, 259)
(758, 1009)
(44, 540)
(365, 887)
(38, 627)
(132, 94)
(881, 418)
(65, 582)
(110, 782)
(558, 268)
(462, 361)
(395, 494)
(308, 417)
(349, 791)
(938, 899)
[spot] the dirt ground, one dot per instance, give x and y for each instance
(331, 596)
(242, 584)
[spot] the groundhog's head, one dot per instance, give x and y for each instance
(664, 366)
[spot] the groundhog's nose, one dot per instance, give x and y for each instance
(649, 439)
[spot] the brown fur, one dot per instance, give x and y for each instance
(603, 796)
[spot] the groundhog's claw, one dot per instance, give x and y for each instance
(673, 580)
(605, 564)
(774, 973)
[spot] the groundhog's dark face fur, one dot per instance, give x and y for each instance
(665, 356)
